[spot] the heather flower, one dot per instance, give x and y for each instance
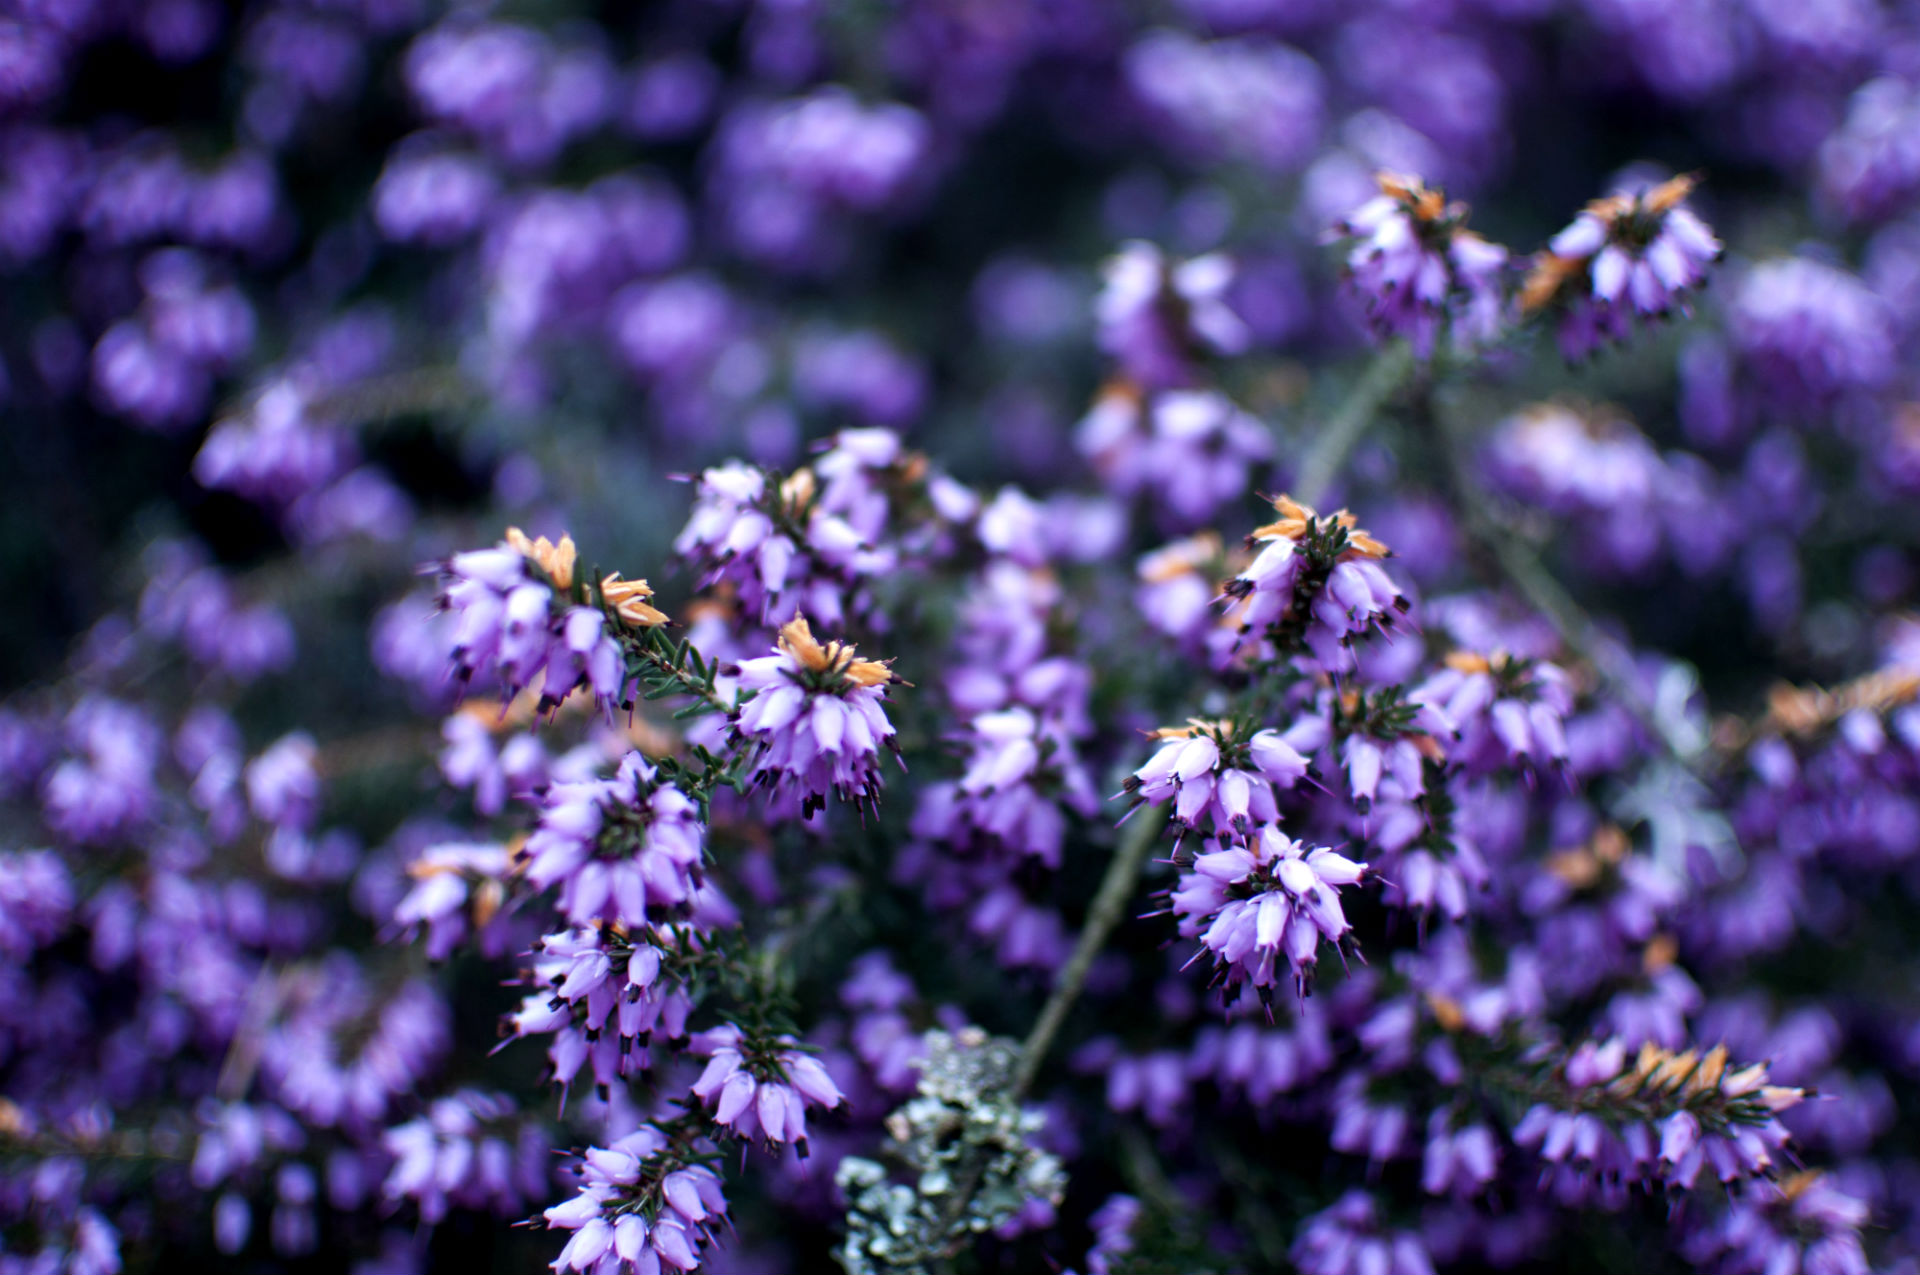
(817, 717)
(1502, 710)
(1219, 775)
(762, 1088)
(1457, 1160)
(1022, 777)
(1624, 256)
(646, 1203)
(1112, 1225)
(626, 849)
(602, 995)
(1191, 451)
(1573, 462)
(1807, 1223)
(1260, 1061)
(1350, 1239)
(1598, 905)
(1177, 585)
(784, 545)
(191, 602)
(1870, 165)
(1268, 900)
(1661, 1116)
(36, 901)
(455, 886)
(1248, 99)
(1313, 581)
(1811, 334)
(275, 450)
(337, 1058)
(1157, 319)
(283, 783)
(106, 785)
(1417, 268)
(434, 198)
(511, 620)
(1024, 933)
(1364, 1124)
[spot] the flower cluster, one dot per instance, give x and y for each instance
(646, 1203)
(519, 619)
(1620, 746)
(817, 717)
(1626, 256)
(1418, 269)
(1270, 900)
(1313, 582)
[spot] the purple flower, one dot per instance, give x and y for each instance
(36, 901)
(626, 849)
(1191, 451)
(1418, 269)
(283, 784)
(762, 1087)
(511, 620)
(817, 717)
(1811, 334)
(1349, 1239)
(1264, 902)
(1641, 255)
(645, 1205)
(800, 544)
(1246, 99)
(1503, 711)
(455, 886)
(105, 788)
(1870, 165)
(1157, 318)
(435, 199)
(1315, 581)
(1219, 775)
(1022, 777)
(1805, 1223)
(1706, 1116)
(602, 995)
(275, 451)
(1178, 583)
(1112, 1224)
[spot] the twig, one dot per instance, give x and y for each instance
(1104, 914)
(1349, 423)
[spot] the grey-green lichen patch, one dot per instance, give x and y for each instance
(965, 1153)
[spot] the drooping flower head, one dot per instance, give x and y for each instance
(1263, 904)
(626, 849)
(1625, 255)
(1314, 581)
(1416, 267)
(647, 1203)
(1661, 1117)
(1220, 774)
(812, 540)
(818, 716)
(1506, 711)
(762, 1086)
(1157, 318)
(521, 614)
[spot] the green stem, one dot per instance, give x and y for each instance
(1349, 422)
(1123, 873)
